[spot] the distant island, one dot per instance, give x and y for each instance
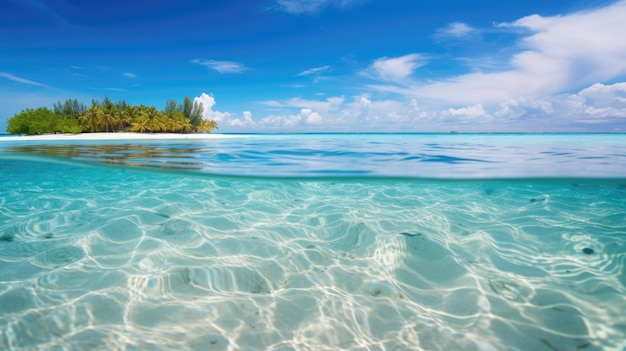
(108, 116)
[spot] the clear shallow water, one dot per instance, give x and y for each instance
(116, 258)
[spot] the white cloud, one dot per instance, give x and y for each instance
(413, 106)
(208, 101)
(302, 120)
(129, 75)
(301, 7)
(325, 106)
(221, 66)
(456, 29)
(281, 121)
(310, 7)
(272, 103)
(597, 104)
(589, 44)
(470, 112)
(315, 70)
(523, 108)
(533, 75)
(555, 55)
(367, 114)
(561, 53)
(247, 116)
(245, 121)
(17, 79)
(395, 68)
(600, 102)
(565, 73)
(360, 113)
(596, 107)
(310, 117)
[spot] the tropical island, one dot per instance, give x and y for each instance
(107, 116)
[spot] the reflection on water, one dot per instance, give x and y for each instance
(166, 156)
(400, 156)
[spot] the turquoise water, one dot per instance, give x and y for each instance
(315, 242)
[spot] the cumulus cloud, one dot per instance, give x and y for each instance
(468, 112)
(221, 66)
(17, 79)
(245, 121)
(302, 120)
(310, 117)
(602, 101)
(599, 107)
(368, 114)
(523, 108)
(395, 68)
(281, 121)
(226, 121)
(594, 105)
(208, 101)
(365, 113)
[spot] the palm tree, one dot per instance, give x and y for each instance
(184, 126)
(154, 119)
(108, 121)
(138, 119)
(139, 127)
(124, 117)
(206, 126)
(91, 119)
(177, 122)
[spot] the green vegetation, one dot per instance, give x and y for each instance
(107, 116)
(42, 120)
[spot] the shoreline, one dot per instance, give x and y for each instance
(114, 136)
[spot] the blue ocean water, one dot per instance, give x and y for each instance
(315, 242)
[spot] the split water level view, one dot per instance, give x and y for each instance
(287, 175)
(314, 242)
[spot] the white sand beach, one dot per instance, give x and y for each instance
(115, 136)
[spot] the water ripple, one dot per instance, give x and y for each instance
(147, 261)
(60, 256)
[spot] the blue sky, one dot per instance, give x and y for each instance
(328, 65)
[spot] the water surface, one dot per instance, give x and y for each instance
(442, 156)
(323, 242)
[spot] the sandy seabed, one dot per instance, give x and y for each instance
(114, 136)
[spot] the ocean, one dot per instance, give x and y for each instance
(315, 242)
